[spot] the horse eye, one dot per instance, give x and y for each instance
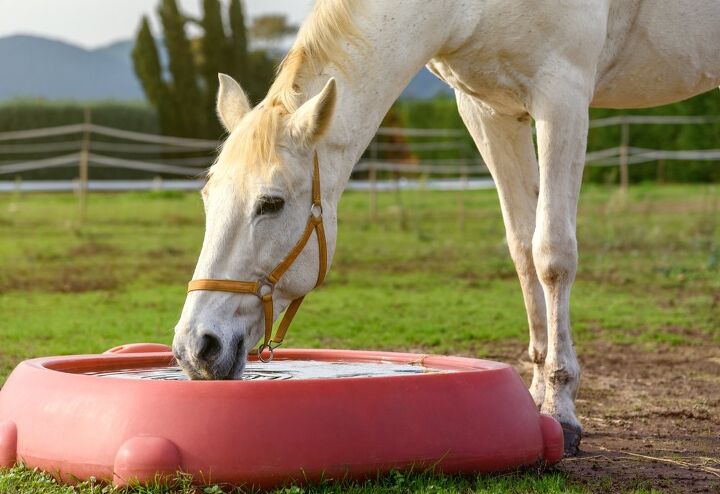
(269, 205)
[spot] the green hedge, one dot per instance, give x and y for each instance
(437, 113)
(442, 113)
(34, 114)
(663, 137)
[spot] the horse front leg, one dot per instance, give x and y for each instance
(561, 112)
(506, 144)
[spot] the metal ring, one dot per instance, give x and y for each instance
(265, 284)
(316, 211)
(261, 349)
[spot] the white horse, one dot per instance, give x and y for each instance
(510, 62)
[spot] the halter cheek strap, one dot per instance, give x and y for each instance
(264, 289)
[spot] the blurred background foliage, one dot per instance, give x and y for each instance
(178, 72)
(437, 113)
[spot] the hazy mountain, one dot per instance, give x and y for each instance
(37, 67)
(120, 51)
(426, 86)
(43, 68)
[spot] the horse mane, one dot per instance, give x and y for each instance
(321, 41)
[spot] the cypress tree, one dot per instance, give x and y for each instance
(237, 47)
(261, 69)
(186, 94)
(146, 61)
(185, 101)
(214, 48)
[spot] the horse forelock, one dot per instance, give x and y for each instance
(251, 151)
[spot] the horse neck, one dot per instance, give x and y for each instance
(397, 44)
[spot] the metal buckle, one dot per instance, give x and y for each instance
(267, 347)
(265, 284)
(316, 211)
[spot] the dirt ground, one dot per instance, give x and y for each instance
(651, 418)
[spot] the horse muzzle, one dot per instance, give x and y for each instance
(207, 355)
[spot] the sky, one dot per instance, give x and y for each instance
(95, 23)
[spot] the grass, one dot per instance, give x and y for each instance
(429, 274)
(21, 480)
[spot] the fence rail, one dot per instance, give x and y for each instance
(653, 120)
(92, 153)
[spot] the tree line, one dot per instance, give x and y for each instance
(179, 76)
(434, 113)
(442, 113)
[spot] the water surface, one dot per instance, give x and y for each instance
(280, 370)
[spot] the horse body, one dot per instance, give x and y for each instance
(662, 53)
(509, 62)
(652, 52)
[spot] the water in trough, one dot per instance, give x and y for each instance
(278, 370)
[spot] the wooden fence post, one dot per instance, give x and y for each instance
(461, 198)
(373, 180)
(660, 171)
(399, 202)
(18, 187)
(373, 192)
(84, 166)
(624, 150)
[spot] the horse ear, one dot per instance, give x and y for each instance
(310, 122)
(232, 103)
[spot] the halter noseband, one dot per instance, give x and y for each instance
(265, 288)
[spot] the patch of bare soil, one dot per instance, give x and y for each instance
(651, 419)
(64, 280)
(92, 249)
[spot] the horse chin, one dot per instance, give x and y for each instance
(195, 374)
(191, 372)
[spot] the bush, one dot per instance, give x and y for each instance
(34, 114)
(442, 113)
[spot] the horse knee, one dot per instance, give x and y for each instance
(521, 251)
(555, 259)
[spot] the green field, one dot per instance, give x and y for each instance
(431, 273)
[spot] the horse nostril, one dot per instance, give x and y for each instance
(209, 348)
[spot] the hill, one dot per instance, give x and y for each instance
(426, 86)
(35, 67)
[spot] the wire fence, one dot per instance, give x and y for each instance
(397, 155)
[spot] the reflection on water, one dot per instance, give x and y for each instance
(279, 370)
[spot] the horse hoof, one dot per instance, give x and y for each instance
(572, 434)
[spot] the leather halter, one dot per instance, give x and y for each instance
(265, 287)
